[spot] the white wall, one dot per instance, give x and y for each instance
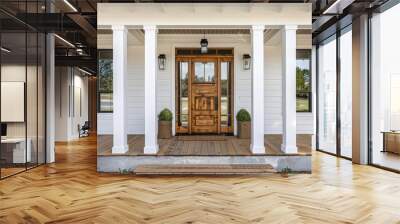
(69, 112)
(166, 78)
(18, 73)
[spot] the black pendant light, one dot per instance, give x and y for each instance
(204, 45)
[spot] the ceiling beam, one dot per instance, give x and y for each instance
(84, 24)
(269, 34)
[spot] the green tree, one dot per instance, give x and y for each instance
(105, 75)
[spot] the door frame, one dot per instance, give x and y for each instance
(190, 58)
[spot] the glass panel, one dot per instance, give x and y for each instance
(13, 79)
(41, 98)
(106, 102)
(346, 94)
(31, 99)
(327, 97)
(225, 92)
(303, 81)
(183, 94)
(204, 72)
(385, 89)
(105, 81)
(22, 90)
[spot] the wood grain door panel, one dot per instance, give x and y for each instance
(204, 97)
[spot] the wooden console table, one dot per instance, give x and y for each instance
(391, 141)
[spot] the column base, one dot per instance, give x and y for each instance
(289, 148)
(118, 149)
(151, 149)
(257, 149)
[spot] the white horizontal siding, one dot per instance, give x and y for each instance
(104, 123)
(135, 93)
(242, 83)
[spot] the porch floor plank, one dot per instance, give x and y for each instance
(204, 145)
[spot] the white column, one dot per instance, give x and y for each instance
(50, 117)
(50, 93)
(289, 89)
(360, 88)
(257, 121)
(150, 58)
(119, 88)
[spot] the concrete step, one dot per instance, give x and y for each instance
(203, 169)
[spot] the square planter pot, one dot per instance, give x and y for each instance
(164, 129)
(244, 129)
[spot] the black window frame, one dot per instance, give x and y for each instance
(307, 52)
(100, 51)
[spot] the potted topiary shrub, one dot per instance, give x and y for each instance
(165, 124)
(244, 123)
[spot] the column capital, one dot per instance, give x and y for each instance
(150, 28)
(289, 27)
(258, 27)
(119, 28)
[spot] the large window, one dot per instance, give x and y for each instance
(327, 96)
(385, 89)
(303, 81)
(105, 85)
(334, 59)
(346, 93)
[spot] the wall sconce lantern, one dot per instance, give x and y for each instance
(203, 45)
(162, 61)
(246, 61)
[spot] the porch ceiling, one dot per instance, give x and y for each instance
(136, 36)
(201, 16)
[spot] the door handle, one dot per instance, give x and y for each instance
(215, 103)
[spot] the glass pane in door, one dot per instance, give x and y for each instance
(183, 94)
(225, 93)
(204, 72)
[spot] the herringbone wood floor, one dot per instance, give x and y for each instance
(71, 191)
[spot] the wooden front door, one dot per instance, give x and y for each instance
(204, 96)
(204, 92)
